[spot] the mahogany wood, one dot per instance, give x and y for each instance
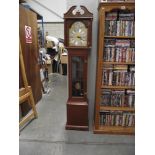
(77, 115)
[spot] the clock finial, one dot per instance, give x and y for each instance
(78, 10)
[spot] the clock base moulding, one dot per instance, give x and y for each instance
(77, 114)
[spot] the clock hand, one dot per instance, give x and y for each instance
(79, 37)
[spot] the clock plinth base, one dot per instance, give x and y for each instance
(77, 116)
(74, 127)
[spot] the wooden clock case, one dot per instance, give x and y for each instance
(77, 107)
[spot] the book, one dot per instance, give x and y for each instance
(110, 27)
(122, 43)
(117, 98)
(117, 118)
(120, 23)
(106, 97)
(126, 16)
(118, 75)
(130, 98)
(111, 16)
(110, 42)
(119, 50)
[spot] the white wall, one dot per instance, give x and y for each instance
(54, 29)
(51, 10)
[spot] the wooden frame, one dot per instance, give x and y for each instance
(25, 94)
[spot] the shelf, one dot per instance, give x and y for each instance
(118, 87)
(117, 108)
(120, 37)
(115, 130)
(118, 63)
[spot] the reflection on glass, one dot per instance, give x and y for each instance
(77, 77)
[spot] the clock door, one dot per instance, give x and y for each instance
(78, 70)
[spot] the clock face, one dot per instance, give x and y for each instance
(78, 34)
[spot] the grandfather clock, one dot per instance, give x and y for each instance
(78, 41)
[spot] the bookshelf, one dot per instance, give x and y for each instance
(115, 78)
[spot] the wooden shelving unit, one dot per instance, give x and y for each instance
(118, 63)
(117, 108)
(114, 130)
(118, 87)
(109, 117)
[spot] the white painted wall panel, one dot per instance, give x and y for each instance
(54, 29)
(46, 7)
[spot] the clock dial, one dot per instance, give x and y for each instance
(78, 34)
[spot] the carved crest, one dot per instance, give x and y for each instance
(78, 11)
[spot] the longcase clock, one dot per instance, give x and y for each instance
(78, 41)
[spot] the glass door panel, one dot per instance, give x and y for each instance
(77, 76)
